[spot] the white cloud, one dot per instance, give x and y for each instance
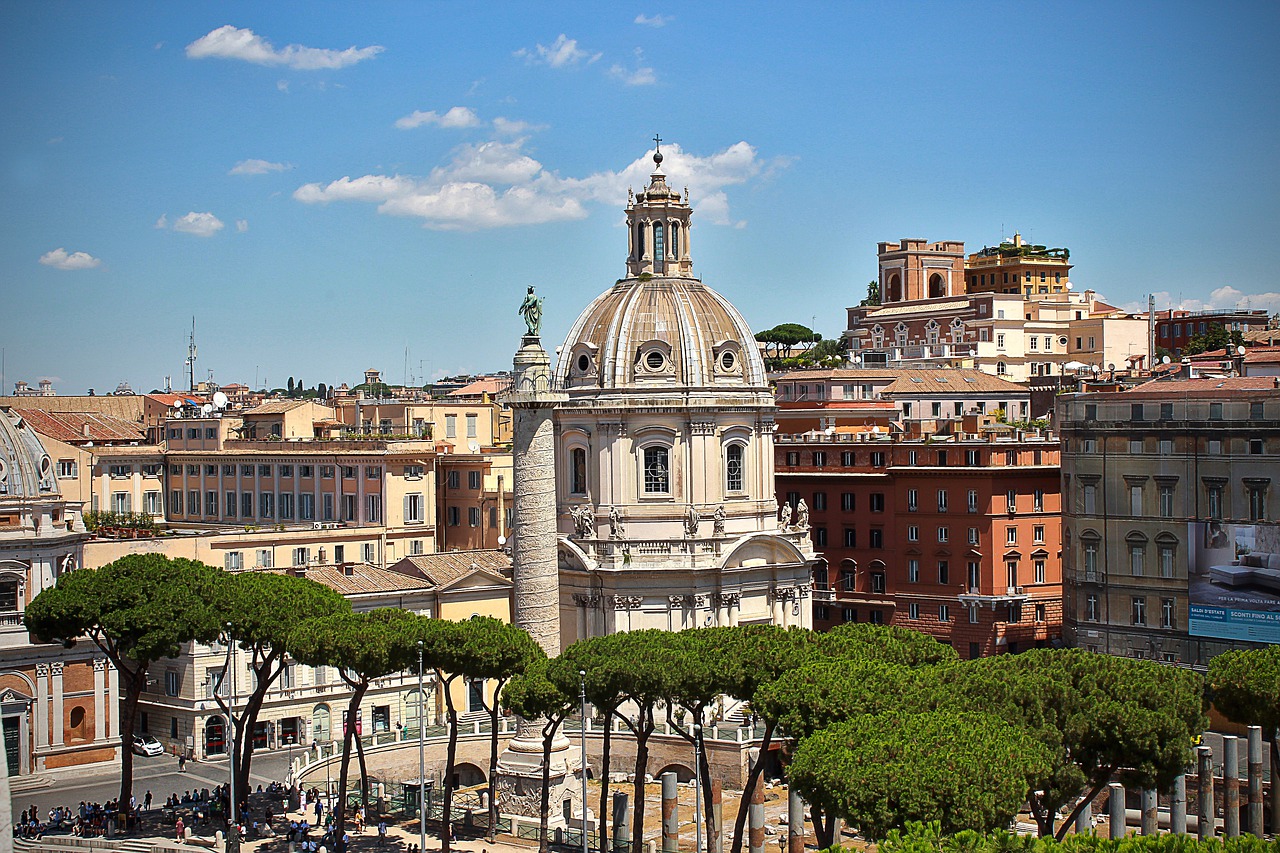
(242, 225)
(60, 259)
(57, 140)
(258, 167)
(655, 21)
(563, 52)
(512, 127)
(641, 76)
(282, 86)
(199, 224)
(162, 222)
(496, 184)
(228, 42)
(1222, 297)
(455, 117)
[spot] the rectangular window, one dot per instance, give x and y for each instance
(944, 613)
(1255, 447)
(473, 516)
(246, 504)
(1039, 566)
(67, 469)
(793, 458)
(1037, 534)
(368, 552)
(264, 558)
(1166, 501)
(473, 480)
(1011, 536)
(234, 560)
(373, 509)
(943, 574)
(877, 502)
(913, 571)
(973, 500)
(152, 506)
(373, 472)
(1137, 560)
(193, 502)
(913, 500)
(819, 458)
(943, 534)
(414, 508)
(286, 505)
(450, 426)
(454, 480)
(973, 614)
(850, 537)
(171, 683)
(471, 426)
(877, 537)
(326, 472)
(301, 556)
(306, 471)
(913, 610)
(1257, 503)
(1091, 607)
(121, 502)
(1215, 411)
(877, 583)
(1138, 611)
(348, 507)
(846, 458)
(348, 472)
(972, 457)
(974, 572)
(1166, 612)
(1135, 500)
(877, 459)
(306, 507)
(1213, 501)
(973, 536)
(913, 533)
(1011, 501)
(847, 502)
(942, 500)
(1166, 561)
(1037, 501)
(264, 470)
(286, 471)
(266, 505)
(819, 500)
(211, 503)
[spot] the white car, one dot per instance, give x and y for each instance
(147, 745)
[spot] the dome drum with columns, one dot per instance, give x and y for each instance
(664, 452)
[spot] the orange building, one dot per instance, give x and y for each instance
(959, 538)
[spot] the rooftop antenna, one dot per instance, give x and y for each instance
(191, 356)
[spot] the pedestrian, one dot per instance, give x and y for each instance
(319, 809)
(181, 828)
(382, 832)
(146, 801)
(182, 762)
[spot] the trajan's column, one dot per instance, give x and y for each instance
(533, 400)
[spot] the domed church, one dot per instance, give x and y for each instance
(663, 434)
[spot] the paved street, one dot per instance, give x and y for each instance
(159, 774)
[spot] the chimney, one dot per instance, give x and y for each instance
(349, 569)
(85, 429)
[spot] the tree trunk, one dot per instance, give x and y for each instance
(642, 766)
(603, 820)
(823, 824)
(753, 779)
(340, 811)
(263, 679)
(364, 775)
(492, 788)
(134, 683)
(446, 833)
(708, 802)
(544, 805)
(1089, 798)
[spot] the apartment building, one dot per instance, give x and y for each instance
(956, 536)
(1170, 526)
(1174, 329)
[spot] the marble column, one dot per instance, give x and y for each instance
(1255, 781)
(536, 577)
(1084, 820)
(1150, 804)
(1231, 785)
(670, 813)
(795, 822)
(1204, 802)
(755, 818)
(1115, 810)
(1178, 805)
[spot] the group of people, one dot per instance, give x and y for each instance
(89, 820)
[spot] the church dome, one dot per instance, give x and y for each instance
(26, 471)
(660, 332)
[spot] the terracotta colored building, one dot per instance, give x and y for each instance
(960, 538)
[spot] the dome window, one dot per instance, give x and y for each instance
(727, 361)
(657, 474)
(733, 455)
(655, 360)
(584, 363)
(659, 249)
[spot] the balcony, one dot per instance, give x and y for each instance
(918, 352)
(824, 595)
(973, 596)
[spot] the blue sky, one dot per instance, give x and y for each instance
(325, 186)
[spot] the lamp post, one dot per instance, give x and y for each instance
(697, 787)
(233, 835)
(422, 762)
(582, 698)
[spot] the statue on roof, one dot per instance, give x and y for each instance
(531, 309)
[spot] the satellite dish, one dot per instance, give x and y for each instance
(831, 430)
(502, 540)
(1111, 366)
(220, 400)
(1165, 360)
(175, 412)
(206, 409)
(1068, 285)
(1240, 350)
(473, 446)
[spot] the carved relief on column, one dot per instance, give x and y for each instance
(702, 427)
(101, 705)
(57, 669)
(627, 602)
(56, 695)
(728, 600)
(590, 602)
(99, 664)
(678, 600)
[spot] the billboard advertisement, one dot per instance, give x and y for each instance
(1234, 581)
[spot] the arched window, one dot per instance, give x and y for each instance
(675, 240)
(578, 471)
(659, 249)
(657, 470)
(893, 292)
(734, 481)
(937, 286)
(639, 241)
(321, 720)
(215, 736)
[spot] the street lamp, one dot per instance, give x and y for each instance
(422, 763)
(233, 835)
(582, 698)
(697, 787)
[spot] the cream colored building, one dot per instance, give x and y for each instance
(664, 452)
(307, 704)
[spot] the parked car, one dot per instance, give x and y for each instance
(147, 745)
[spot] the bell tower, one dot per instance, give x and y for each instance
(658, 225)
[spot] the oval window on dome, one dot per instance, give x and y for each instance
(655, 360)
(584, 363)
(727, 361)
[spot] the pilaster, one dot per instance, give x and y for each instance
(58, 735)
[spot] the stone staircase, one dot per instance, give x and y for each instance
(71, 844)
